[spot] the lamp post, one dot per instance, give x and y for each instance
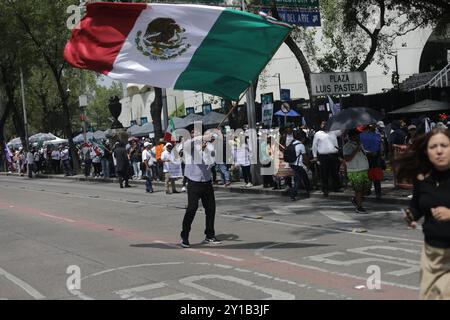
(176, 105)
(279, 82)
(83, 103)
(25, 121)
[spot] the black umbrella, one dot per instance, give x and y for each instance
(352, 117)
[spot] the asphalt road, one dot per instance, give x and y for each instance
(63, 239)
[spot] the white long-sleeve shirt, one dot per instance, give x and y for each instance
(325, 143)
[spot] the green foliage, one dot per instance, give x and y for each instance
(97, 110)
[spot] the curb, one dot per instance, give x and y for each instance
(234, 189)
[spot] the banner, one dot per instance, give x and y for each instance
(337, 83)
(267, 109)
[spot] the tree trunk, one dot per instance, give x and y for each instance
(298, 53)
(155, 112)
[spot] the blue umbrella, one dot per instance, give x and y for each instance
(291, 113)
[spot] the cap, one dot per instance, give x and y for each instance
(168, 145)
(146, 144)
(380, 124)
(412, 127)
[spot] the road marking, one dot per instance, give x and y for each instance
(131, 293)
(201, 251)
(132, 266)
(259, 253)
(337, 216)
(22, 284)
(332, 230)
(80, 295)
(275, 294)
(281, 210)
(55, 217)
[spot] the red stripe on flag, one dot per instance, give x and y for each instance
(103, 31)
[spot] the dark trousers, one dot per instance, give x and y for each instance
(247, 174)
(300, 177)
(375, 162)
(67, 167)
(329, 169)
(195, 192)
(56, 166)
(123, 177)
(87, 167)
(97, 168)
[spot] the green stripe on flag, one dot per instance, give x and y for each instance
(232, 55)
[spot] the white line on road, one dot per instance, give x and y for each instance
(22, 284)
(55, 217)
(333, 230)
(202, 251)
(338, 216)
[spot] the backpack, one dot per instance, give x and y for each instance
(289, 154)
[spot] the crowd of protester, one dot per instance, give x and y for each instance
(303, 158)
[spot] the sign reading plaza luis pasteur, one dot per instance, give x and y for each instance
(337, 83)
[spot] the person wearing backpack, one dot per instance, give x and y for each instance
(294, 154)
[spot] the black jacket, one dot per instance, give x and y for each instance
(121, 155)
(433, 191)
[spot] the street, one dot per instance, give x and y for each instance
(62, 239)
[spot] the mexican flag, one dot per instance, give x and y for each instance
(188, 47)
(170, 135)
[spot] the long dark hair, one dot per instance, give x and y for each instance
(415, 161)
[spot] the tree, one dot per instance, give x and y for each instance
(356, 30)
(97, 110)
(46, 30)
(15, 53)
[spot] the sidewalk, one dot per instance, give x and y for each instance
(390, 194)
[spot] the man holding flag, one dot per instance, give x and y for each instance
(210, 49)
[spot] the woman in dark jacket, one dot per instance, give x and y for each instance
(427, 164)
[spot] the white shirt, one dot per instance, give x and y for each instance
(325, 143)
(56, 155)
(299, 152)
(65, 154)
(30, 157)
(165, 156)
(242, 155)
(289, 139)
(359, 161)
(147, 155)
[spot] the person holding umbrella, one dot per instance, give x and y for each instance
(357, 168)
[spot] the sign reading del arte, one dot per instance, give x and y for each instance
(337, 83)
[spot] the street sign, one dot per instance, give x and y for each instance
(285, 94)
(294, 3)
(300, 17)
(337, 83)
(267, 109)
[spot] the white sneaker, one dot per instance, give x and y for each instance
(183, 189)
(248, 185)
